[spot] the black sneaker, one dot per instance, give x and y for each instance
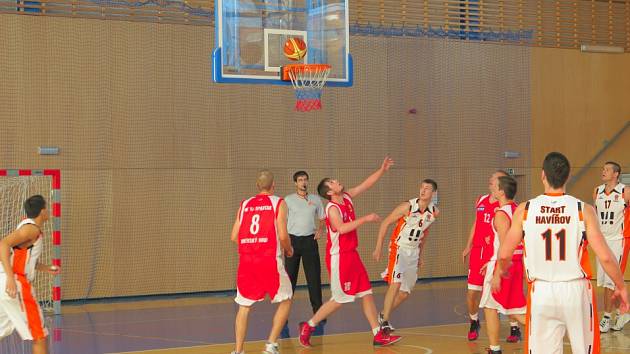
(515, 335)
(473, 332)
(490, 351)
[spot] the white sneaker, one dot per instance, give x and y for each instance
(381, 320)
(621, 321)
(604, 324)
(271, 349)
(235, 352)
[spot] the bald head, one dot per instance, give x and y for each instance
(264, 181)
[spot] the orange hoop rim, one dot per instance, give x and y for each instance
(301, 68)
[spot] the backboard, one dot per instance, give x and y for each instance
(250, 35)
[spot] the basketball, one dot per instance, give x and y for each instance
(294, 48)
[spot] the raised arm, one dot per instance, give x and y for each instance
(512, 239)
(337, 223)
(372, 179)
(21, 237)
(605, 255)
(400, 211)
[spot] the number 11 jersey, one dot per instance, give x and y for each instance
(555, 239)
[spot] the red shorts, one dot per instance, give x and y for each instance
(511, 298)
(261, 275)
(348, 277)
(477, 258)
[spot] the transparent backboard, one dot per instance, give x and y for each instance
(250, 36)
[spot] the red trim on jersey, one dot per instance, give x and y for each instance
(559, 194)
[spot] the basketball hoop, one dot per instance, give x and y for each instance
(308, 80)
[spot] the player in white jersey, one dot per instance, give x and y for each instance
(556, 229)
(19, 254)
(611, 199)
(413, 217)
(503, 294)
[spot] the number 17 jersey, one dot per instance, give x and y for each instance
(555, 239)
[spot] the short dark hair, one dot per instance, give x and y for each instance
(557, 169)
(431, 182)
(615, 166)
(323, 188)
(508, 184)
(34, 205)
(299, 174)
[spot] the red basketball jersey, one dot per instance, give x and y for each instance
(257, 233)
(483, 224)
(338, 242)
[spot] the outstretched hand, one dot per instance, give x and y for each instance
(372, 217)
(387, 163)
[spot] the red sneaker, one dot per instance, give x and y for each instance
(384, 338)
(515, 335)
(473, 332)
(305, 334)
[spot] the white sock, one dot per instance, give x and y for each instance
(474, 317)
(495, 347)
(311, 323)
(375, 330)
(607, 314)
(272, 344)
(514, 324)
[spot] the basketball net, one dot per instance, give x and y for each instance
(308, 80)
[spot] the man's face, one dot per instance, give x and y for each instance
(335, 186)
(493, 183)
(609, 174)
(302, 183)
(426, 191)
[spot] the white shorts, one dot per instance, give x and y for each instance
(14, 312)
(556, 308)
(402, 267)
(603, 280)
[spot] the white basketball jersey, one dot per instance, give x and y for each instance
(555, 238)
(412, 227)
(508, 210)
(610, 208)
(30, 255)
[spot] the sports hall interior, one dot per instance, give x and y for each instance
(155, 157)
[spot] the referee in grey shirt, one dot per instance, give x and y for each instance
(305, 223)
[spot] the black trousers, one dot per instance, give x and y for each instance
(307, 249)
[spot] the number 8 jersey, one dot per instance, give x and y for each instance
(555, 238)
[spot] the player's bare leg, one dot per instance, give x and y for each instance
(492, 325)
(240, 326)
(390, 298)
(40, 346)
(369, 310)
(400, 298)
(473, 297)
(279, 319)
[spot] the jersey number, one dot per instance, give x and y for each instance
(607, 203)
(562, 240)
(486, 218)
(255, 226)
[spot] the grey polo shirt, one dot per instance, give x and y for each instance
(303, 214)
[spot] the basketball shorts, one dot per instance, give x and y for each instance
(402, 267)
(477, 258)
(624, 255)
(348, 277)
(510, 300)
(259, 276)
(617, 248)
(556, 308)
(23, 313)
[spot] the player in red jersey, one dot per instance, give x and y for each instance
(479, 247)
(348, 277)
(260, 230)
(503, 294)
